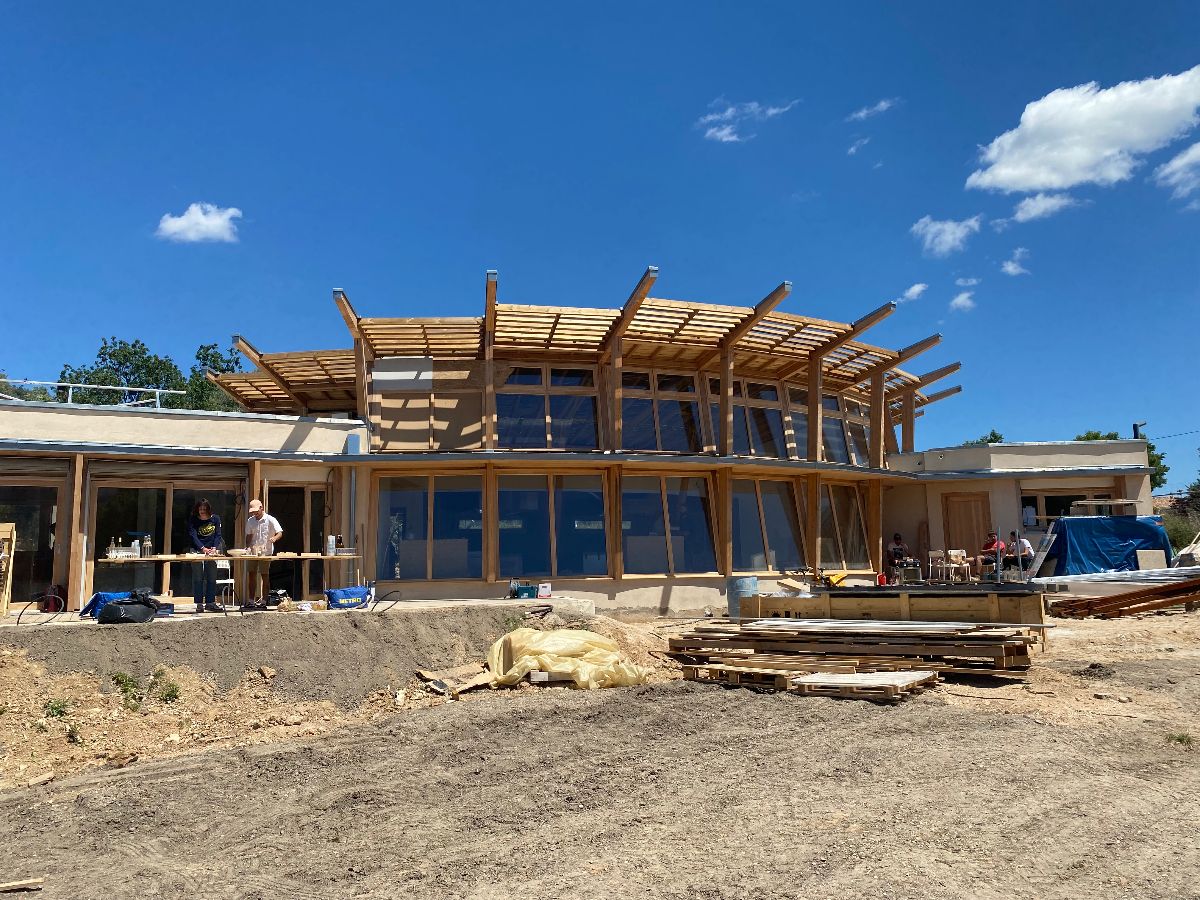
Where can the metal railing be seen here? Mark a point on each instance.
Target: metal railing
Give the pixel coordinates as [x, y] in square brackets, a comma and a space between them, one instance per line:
[156, 400]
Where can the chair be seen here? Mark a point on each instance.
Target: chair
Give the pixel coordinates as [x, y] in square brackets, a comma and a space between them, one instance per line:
[225, 585]
[937, 565]
[956, 563]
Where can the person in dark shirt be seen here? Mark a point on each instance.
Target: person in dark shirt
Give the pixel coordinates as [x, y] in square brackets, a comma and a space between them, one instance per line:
[204, 529]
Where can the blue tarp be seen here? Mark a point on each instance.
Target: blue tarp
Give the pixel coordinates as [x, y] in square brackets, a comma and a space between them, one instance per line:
[1087, 544]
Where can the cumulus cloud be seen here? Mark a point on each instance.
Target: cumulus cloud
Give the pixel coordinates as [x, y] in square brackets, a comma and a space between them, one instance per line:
[967, 282]
[1089, 135]
[200, 222]
[963, 302]
[725, 123]
[1013, 266]
[866, 112]
[1181, 175]
[858, 145]
[913, 293]
[1041, 206]
[943, 237]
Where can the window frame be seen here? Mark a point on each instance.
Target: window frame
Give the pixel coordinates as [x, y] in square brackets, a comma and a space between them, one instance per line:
[545, 390]
[798, 502]
[713, 517]
[552, 507]
[654, 395]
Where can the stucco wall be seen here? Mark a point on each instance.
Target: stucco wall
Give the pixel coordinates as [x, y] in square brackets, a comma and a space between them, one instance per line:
[1005, 457]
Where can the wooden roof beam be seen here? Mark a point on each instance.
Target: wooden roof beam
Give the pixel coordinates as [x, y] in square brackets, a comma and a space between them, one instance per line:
[940, 395]
[762, 309]
[858, 327]
[251, 353]
[348, 314]
[927, 379]
[902, 357]
[491, 283]
[640, 292]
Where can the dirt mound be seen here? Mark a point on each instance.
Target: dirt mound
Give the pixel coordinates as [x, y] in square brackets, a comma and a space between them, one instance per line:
[636, 643]
[1095, 670]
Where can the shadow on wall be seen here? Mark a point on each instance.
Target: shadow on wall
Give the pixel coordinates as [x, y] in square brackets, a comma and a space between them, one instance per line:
[299, 434]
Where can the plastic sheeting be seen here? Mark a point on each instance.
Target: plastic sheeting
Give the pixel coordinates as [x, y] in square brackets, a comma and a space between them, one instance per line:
[591, 660]
[1086, 544]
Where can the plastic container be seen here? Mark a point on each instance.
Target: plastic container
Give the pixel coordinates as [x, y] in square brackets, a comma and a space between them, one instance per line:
[736, 589]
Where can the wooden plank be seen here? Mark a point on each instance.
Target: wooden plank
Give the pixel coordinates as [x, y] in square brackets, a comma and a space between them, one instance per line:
[738, 331]
[839, 339]
[907, 423]
[252, 354]
[76, 550]
[629, 311]
[491, 285]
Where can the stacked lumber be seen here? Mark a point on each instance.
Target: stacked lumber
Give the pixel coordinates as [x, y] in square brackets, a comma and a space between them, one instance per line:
[1129, 603]
[818, 655]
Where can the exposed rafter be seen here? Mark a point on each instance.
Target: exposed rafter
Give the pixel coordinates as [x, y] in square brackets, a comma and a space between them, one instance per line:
[940, 395]
[348, 313]
[902, 357]
[251, 353]
[489, 301]
[858, 327]
[640, 292]
[925, 380]
[764, 307]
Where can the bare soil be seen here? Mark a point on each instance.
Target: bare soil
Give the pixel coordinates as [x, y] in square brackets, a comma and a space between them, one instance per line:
[974, 789]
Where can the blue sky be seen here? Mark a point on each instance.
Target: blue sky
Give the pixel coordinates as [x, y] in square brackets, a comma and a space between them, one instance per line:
[400, 151]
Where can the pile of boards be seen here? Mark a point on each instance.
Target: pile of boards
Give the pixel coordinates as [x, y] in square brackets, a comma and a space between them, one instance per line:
[1129, 603]
[872, 660]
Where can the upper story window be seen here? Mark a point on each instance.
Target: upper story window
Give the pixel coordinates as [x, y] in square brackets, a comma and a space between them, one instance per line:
[540, 407]
[660, 411]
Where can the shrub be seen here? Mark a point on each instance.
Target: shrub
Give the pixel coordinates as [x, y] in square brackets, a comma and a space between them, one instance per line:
[56, 708]
[1182, 739]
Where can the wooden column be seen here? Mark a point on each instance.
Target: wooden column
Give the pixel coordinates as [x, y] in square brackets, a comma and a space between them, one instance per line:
[254, 486]
[816, 385]
[812, 527]
[725, 520]
[618, 394]
[878, 420]
[77, 546]
[489, 355]
[725, 437]
[491, 526]
[908, 411]
[616, 543]
[875, 523]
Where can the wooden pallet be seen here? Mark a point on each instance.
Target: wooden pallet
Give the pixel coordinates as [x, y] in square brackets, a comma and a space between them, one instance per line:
[876, 686]
[1150, 599]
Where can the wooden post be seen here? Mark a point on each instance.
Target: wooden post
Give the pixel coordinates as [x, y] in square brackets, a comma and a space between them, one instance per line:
[812, 527]
[907, 419]
[253, 487]
[77, 545]
[875, 523]
[878, 421]
[725, 520]
[618, 394]
[816, 384]
[489, 357]
[725, 437]
[491, 526]
[617, 533]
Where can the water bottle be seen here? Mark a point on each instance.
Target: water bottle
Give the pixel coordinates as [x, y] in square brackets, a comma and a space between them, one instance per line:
[137, 548]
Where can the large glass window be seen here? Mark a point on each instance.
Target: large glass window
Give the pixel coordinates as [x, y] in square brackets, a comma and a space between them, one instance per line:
[34, 512]
[573, 422]
[741, 440]
[834, 434]
[758, 428]
[850, 524]
[643, 526]
[637, 424]
[523, 513]
[404, 548]
[749, 551]
[659, 411]
[521, 421]
[679, 425]
[766, 432]
[403, 544]
[690, 521]
[781, 522]
[458, 526]
[126, 514]
[580, 538]
[531, 394]
[830, 548]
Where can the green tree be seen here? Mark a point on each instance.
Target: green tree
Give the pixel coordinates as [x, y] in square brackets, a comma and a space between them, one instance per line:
[1159, 469]
[1188, 502]
[202, 393]
[992, 437]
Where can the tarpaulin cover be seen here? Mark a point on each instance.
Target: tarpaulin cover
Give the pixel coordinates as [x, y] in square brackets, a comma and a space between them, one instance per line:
[592, 660]
[1087, 544]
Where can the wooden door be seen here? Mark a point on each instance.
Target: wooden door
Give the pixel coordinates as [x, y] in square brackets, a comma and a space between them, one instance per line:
[967, 520]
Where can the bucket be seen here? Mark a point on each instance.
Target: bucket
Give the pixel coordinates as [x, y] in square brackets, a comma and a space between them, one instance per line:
[736, 589]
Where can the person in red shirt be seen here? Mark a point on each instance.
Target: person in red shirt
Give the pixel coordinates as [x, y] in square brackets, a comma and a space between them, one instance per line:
[988, 552]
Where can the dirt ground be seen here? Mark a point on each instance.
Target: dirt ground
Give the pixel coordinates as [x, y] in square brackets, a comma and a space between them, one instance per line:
[1079, 783]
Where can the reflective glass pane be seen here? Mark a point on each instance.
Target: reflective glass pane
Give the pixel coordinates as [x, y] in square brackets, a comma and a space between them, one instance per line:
[571, 378]
[831, 554]
[685, 384]
[573, 422]
[34, 512]
[523, 511]
[679, 426]
[761, 391]
[741, 442]
[782, 525]
[520, 420]
[714, 387]
[855, 408]
[798, 396]
[831, 402]
[849, 516]
[637, 424]
[183, 505]
[800, 434]
[635, 381]
[835, 440]
[691, 525]
[766, 432]
[579, 525]
[458, 526]
[643, 529]
[858, 440]
[403, 529]
[749, 555]
[126, 514]
[524, 376]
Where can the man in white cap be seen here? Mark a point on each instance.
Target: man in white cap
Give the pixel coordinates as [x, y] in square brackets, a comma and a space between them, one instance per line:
[262, 531]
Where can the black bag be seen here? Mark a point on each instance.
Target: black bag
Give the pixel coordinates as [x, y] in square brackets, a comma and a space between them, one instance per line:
[139, 607]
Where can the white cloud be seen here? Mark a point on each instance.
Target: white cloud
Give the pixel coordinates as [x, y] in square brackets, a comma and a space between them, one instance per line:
[1089, 135]
[967, 282]
[866, 112]
[941, 238]
[858, 145]
[723, 123]
[1041, 206]
[1013, 266]
[1181, 174]
[200, 222]
[963, 302]
[912, 293]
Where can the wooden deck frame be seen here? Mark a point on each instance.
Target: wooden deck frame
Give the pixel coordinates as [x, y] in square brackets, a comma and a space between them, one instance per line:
[252, 353]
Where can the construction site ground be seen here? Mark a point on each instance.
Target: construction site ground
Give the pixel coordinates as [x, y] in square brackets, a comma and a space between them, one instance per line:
[297, 756]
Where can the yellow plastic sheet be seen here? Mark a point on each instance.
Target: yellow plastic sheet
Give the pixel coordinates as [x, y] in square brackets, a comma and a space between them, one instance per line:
[591, 660]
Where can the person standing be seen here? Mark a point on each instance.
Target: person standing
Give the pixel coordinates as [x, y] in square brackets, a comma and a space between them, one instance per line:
[204, 530]
[262, 531]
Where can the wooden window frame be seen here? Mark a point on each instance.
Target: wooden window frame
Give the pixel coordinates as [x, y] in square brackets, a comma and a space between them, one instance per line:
[546, 390]
[654, 395]
[552, 505]
[713, 517]
[798, 486]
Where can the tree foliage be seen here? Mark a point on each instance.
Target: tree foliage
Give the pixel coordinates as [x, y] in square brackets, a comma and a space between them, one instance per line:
[131, 364]
[1159, 469]
[992, 437]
